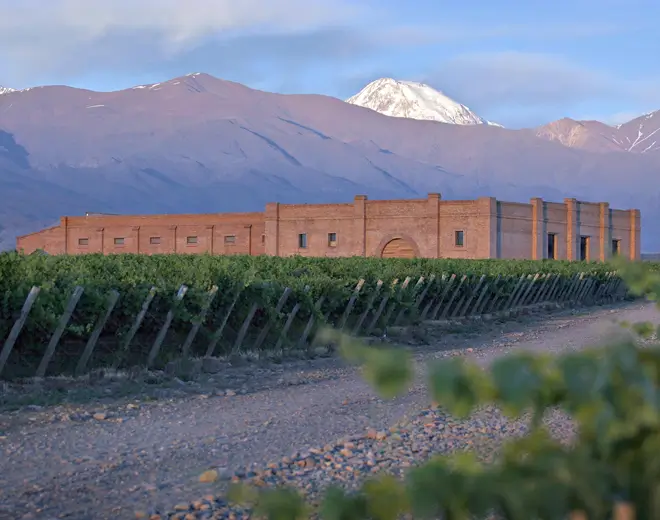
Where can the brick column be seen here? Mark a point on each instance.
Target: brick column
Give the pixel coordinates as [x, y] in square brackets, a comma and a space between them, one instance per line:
[64, 224]
[272, 229]
[635, 234]
[173, 237]
[605, 232]
[487, 208]
[360, 225]
[572, 231]
[249, 232]
[210, 236]
[538, 228]
[434, 229]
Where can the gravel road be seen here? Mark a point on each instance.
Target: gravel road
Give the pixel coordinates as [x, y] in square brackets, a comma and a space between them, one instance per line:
[88, 463]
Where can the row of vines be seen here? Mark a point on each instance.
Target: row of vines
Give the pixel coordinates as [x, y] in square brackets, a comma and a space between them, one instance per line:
[244, 286]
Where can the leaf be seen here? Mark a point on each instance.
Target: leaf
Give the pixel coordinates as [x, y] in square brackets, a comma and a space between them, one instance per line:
[519, 382]
[386, 498]
[389, 371]
[458, 386]
[281, 504]
[338, 505]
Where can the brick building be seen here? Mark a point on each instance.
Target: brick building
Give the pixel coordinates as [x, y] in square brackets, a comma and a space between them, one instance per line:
[430, 227]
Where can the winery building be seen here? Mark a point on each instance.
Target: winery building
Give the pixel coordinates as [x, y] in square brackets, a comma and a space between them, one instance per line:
[429, 228]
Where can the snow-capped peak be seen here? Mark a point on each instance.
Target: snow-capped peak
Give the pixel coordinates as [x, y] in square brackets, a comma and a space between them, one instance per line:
[6, 90]
[414, 101]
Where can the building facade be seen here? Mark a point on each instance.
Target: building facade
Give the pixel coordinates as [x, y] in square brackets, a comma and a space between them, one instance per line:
[430, 228]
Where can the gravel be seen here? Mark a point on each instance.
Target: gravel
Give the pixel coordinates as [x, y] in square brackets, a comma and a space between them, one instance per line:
[130, 457]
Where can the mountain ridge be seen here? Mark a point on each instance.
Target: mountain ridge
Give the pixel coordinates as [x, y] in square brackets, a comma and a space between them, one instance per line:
[197, 144]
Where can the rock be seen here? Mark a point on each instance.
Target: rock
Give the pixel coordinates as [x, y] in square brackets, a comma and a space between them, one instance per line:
[230, 393]
[100, 416]
[209, 476]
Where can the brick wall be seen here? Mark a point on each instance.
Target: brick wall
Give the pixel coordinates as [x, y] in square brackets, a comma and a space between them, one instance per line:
[430, 227]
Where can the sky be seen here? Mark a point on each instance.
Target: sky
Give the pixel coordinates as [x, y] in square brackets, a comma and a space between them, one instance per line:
[519, 63]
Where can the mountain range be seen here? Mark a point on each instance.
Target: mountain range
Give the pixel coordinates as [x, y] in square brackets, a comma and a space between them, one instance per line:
[201, 144]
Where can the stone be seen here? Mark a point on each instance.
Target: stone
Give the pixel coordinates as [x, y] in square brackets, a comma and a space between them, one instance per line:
[100, 416]
[209, 476]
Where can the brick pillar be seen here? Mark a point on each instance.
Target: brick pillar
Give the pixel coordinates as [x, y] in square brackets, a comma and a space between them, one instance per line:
[572, 231]
[360, 225]
[605, 233]
[272, 229]
[249, 232]
[635, 234]
[487, 209]
[173, 238]
[538, 228]
[136, 239]
[64, 224]
[434, 230]
[210, 236]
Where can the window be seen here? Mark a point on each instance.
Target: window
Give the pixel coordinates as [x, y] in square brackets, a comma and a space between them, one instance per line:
[552, 246]
[332, 239]
[230, 239]
[302, 240]
[154, 241]
[263, 239]
[119, 241]
[584, 248]
[616, 247]
[191, 240]
[83, 241]
[459, 238]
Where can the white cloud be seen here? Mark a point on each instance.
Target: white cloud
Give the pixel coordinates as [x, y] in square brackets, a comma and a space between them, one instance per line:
[36, 35]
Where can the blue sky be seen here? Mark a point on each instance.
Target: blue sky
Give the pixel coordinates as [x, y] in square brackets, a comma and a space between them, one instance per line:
[514, 62]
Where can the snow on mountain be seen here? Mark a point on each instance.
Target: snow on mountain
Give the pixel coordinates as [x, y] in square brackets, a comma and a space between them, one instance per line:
[412, 100]
[6, 90]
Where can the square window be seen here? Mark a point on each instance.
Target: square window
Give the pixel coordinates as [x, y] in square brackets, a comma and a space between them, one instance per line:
[83, 241]
[191, 240]
[154, 241]
[119, 241]
[230, 239]
[332, 239]
[302, 240]
[459, 238]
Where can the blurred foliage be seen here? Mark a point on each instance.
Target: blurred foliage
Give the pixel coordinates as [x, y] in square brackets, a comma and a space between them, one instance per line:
[611, 470]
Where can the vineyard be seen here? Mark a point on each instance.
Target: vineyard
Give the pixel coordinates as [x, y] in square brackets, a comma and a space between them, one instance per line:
[67, 314]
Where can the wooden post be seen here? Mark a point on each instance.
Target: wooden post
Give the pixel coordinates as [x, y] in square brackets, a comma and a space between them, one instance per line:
[134, 328]
[381, 308]
[567, 287]
[551, 289]
[445, 291]
[271, 320]
[421, 297]
[244, 328]
[218, 333]
[61, 327]
[289, 321]
[542, 289]
[575, 288]
[185, 350]
[310, 322]
[351, 302]
[515, 291]
[96, 333]
[466, 308]
[370, 305]
[453, 297]
[390, 309]
[496, 301]
[155, 348]
[524, 289]
[476, 310]
[402, 312]
[18, 326]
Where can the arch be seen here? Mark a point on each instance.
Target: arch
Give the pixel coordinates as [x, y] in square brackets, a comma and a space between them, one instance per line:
[398, 246]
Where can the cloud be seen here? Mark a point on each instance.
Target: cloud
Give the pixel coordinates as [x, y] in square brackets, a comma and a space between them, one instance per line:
[501, 82]
[67, 37]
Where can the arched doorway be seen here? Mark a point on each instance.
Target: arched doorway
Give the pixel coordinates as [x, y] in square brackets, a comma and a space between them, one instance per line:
[398, 248]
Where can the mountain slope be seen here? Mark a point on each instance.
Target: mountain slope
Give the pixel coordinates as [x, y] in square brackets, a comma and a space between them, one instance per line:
[641, 135]
[6, 90]
[412, 100]
[200, 144]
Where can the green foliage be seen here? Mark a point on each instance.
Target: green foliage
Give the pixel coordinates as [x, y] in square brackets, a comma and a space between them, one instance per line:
[612, 467]
[242, 281]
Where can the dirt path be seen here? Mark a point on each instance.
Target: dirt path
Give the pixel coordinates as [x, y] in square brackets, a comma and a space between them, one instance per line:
[149, 455]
